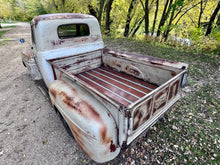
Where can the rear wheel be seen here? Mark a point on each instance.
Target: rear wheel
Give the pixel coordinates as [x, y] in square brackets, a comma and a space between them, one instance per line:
[65, 124]
[24, 64]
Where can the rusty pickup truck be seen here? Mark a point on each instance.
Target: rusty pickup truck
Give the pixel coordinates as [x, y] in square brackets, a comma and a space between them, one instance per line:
[105, 98]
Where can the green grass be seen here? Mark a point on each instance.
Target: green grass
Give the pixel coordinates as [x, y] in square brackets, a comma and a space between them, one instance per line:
[196, 132]
[8, 22]
[4, 41]
[3, 32]
[11, 26]
[197, 59]
[189, 133]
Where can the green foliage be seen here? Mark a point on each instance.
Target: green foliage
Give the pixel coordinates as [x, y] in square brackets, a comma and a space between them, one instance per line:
[196, 34]
[216, 33]
[10, 26]
[3, 32]
[181, 18]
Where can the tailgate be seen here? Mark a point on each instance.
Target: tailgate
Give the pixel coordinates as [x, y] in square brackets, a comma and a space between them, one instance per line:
[150, 108]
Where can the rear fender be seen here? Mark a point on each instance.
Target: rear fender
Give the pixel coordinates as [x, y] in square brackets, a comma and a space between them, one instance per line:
[92, 125]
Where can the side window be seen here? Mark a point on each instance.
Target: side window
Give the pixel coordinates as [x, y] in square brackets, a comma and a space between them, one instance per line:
[73, 30]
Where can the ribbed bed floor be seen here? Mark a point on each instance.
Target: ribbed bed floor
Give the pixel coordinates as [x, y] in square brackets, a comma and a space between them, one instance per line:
[120, 87]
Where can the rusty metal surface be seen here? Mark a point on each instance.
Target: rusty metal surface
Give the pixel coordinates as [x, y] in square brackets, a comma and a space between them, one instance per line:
[142, 67]
[155, 104]
[125, 86]
[60, 16]
[133, 134]
[92, 125]
[120, 87]
[147, 59]
[78, 63]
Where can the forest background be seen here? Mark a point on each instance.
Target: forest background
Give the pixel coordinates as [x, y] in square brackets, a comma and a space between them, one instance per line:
[191, 23]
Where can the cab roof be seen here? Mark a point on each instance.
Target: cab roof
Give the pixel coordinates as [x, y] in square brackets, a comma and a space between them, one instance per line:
[44, 17]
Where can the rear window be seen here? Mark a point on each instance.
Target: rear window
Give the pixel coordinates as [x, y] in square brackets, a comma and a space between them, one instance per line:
[73, 30]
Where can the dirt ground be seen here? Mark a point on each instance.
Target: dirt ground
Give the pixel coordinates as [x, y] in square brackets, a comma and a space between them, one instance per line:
[30, 130]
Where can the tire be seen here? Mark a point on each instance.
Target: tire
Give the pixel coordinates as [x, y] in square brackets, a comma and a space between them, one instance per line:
[24, 64]
[65, 124]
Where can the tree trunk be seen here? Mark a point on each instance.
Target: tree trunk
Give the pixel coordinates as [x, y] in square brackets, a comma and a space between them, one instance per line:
[107, 19]
[155, 17]
[164, 16]
[92, 10]
[218, 21]
[212, 18]
[101, 6]
[54, 4]
[128, 20]
[201, 11]
[166, 33]
[146, 18]
[138, 26]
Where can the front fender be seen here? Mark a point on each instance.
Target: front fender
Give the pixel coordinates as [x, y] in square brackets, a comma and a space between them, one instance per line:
[92, 125]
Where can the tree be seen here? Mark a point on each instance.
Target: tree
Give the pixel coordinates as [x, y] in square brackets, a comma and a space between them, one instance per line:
[146, 15]
[107, 19]
[218, 21]
[179, 6]
[164, 16]
[92, 10]
[101, 6]
[202, 8]
[129, 17]
[212, 18]
[155, 17]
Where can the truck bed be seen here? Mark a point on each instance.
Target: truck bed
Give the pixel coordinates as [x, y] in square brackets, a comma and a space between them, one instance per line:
[120, 87]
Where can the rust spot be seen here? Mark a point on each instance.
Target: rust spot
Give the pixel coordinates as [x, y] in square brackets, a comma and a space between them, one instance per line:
[155, 63]
[142, 114]
[160, 99]
[59, 42]
[118, 65]
[95, 38]
[174, 90]
[136, 126]
[39, 18]
[66, 67]
[78, 135]
[87, 111]
[177, 86]
[152, 60]
[173, 73]
[53, 92]
[146, 117]
[81, 39]
[112, 147]
[135, 72]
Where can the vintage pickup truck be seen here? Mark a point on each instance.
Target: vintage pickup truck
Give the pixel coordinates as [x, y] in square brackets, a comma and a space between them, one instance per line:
[105, 98]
